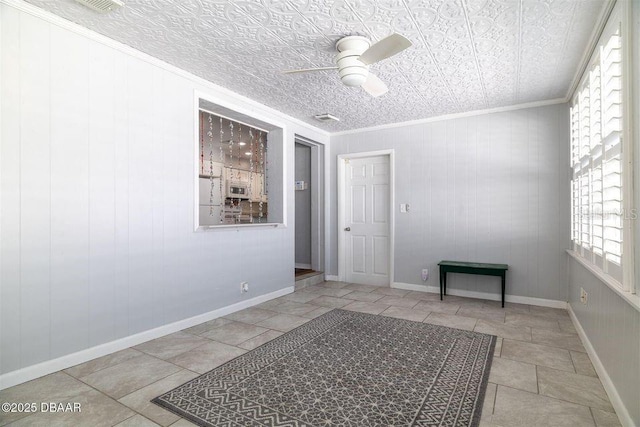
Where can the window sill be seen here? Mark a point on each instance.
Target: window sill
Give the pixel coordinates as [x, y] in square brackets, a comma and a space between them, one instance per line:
[238, 227]
[632, 299]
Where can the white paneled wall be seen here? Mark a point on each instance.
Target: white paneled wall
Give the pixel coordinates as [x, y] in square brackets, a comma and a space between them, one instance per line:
[96, 203]
[488, 188]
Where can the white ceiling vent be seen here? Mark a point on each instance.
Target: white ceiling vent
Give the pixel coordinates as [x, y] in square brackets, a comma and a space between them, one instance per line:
[102, 6]
[326, 117]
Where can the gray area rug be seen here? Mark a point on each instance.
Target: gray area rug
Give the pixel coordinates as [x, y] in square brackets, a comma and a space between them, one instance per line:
[346, 369]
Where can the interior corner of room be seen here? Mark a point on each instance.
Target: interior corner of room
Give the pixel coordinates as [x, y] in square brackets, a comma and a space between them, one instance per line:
[147, 189]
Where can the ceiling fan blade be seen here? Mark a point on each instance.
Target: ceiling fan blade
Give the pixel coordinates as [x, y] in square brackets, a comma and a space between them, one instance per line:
[304, 70]
[374, 86]
[388, 46]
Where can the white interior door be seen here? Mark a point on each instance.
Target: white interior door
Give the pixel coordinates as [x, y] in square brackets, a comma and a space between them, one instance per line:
[366, 223]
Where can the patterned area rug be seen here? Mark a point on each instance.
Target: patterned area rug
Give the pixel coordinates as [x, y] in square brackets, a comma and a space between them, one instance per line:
[346, 369]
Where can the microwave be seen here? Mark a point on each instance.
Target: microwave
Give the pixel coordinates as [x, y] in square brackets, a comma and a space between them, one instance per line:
[237, 190]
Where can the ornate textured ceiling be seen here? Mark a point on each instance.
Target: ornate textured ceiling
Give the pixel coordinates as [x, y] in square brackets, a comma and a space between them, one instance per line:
[466, 54]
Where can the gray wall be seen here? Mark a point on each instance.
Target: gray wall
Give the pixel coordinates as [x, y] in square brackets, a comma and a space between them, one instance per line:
[97, 164]
[490, 188]
[303, 204]
[613, 328]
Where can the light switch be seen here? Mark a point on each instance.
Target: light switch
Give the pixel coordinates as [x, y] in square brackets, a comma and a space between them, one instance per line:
[404, 207]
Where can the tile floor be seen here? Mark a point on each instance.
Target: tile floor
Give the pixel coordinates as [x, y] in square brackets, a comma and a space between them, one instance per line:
[541, 375]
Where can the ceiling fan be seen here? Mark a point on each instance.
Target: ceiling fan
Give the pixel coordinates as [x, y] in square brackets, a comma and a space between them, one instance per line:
[355, 54]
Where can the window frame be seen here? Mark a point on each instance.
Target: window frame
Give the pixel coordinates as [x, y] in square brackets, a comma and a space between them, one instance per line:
[625, 280]
[203, 101]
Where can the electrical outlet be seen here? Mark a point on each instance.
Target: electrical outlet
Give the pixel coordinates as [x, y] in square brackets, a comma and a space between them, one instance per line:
[244, 287]
[425, 275]
[584, 296]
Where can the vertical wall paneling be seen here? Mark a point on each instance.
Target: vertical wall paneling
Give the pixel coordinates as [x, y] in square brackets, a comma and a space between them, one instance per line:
[101, 163]
[160, 120]
[10, 226]
[472, 190]
[482, 197]
[69, 192]
[417, 167]
[34, 190]
[519, 178]
[533, 199]
[450, 193]
[171, 202]
[547, 210]
[490, 184]
[121, 194]
[425, 167]
[438, 212]
[140, 194]
[499, 187]
[462, 189]
[612, 326]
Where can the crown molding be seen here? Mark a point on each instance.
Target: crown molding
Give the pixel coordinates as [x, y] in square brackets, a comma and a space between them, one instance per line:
[591, 46]
[54, 19]
[454, 116]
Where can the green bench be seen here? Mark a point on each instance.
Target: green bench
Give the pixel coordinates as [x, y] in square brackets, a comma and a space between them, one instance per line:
[484, 269]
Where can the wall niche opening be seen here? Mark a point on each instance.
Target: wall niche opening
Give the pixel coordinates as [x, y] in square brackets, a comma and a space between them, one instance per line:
[239, 169]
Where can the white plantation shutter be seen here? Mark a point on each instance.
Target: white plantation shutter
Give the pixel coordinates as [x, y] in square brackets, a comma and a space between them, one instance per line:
[612, 146]
[595, 153]
[575, 182]
[597, 157]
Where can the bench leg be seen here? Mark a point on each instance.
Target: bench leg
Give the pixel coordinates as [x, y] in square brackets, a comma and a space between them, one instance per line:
[445, 283]
[441, 284]
[503, 286]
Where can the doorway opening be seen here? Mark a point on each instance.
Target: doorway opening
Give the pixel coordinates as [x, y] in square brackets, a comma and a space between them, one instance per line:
[309, 209]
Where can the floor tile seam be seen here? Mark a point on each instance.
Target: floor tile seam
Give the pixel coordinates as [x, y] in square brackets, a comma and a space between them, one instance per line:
[551, 346]
[111, 397]
[554, 398]
[587, 406]
[142, 415]
[106, 367]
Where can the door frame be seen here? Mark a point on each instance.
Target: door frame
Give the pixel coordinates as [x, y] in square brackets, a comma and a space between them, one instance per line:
[317, 189]
[342, 158]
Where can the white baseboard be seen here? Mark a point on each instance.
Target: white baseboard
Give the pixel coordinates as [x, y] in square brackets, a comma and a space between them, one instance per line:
[50, 366]
[482, 295]
[298, 265]
[330, 278]
[609, 387]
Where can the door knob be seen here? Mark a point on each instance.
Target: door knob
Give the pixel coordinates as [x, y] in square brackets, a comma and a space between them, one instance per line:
[347, 229]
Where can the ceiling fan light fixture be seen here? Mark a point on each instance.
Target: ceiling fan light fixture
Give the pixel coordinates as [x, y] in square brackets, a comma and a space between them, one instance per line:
[354, 79]
[351, 71]
[355, 43]
[355, 54]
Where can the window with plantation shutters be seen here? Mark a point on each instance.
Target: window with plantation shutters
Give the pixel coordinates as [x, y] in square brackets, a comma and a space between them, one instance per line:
[598, 158]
